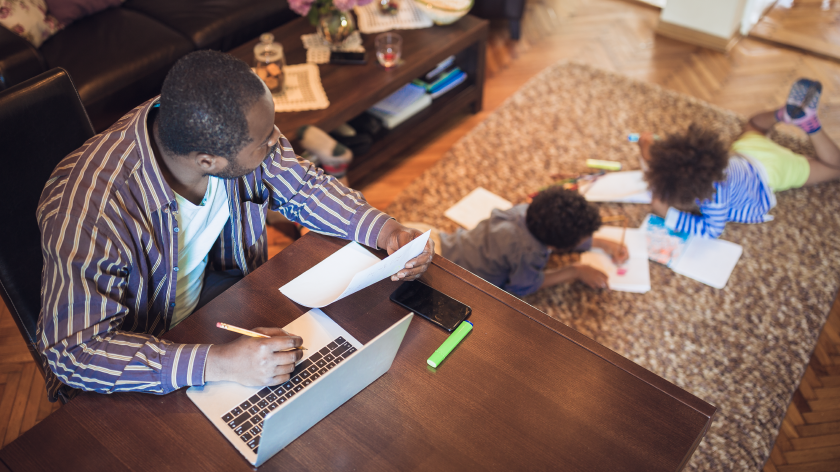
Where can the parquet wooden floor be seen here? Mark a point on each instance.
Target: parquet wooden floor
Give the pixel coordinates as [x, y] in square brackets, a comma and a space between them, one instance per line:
[812, 25]
[616, 35]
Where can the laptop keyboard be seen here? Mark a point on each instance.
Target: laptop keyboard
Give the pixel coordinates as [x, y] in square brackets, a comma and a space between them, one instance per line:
[246, 420]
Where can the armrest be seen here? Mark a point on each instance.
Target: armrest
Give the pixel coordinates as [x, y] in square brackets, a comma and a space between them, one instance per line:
[19, 60]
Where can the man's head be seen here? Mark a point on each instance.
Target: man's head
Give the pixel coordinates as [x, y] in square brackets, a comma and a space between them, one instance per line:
[562, 219]
[683, 167]
[213, 106]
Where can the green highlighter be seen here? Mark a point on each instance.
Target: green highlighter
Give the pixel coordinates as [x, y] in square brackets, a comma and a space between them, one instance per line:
[450, 343]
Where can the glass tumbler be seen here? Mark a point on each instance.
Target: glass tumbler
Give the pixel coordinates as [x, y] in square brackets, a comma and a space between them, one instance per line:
[388, 49]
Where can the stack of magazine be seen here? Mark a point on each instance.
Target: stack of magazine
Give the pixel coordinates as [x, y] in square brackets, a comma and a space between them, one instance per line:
[442, 78]
[417, 95]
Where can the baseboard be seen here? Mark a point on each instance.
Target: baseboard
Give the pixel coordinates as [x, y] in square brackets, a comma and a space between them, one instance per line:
[691, 36]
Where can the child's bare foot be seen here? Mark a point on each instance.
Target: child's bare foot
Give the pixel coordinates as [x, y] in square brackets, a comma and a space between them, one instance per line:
[801, 107]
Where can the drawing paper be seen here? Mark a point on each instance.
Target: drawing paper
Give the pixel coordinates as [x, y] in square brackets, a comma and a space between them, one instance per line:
[475, 207]
[710, 261]
[636, 274]
[347, 271]
[624, 187]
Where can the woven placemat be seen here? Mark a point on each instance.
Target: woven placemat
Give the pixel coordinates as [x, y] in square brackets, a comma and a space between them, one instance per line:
[302, 91]
[370, 20]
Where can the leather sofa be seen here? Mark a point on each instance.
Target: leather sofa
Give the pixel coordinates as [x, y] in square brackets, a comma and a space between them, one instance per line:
[511, 10]
[119, 57]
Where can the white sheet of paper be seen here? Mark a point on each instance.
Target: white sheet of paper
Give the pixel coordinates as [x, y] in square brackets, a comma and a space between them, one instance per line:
[709, 261]
[475, 207]
[625, 187]
[347, 271]
[636, 277]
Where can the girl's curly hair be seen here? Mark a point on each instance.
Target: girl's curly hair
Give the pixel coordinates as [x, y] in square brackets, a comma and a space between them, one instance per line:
[683, 167]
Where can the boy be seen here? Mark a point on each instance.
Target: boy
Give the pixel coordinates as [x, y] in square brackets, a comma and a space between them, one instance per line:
[698, 185]
[511, 248]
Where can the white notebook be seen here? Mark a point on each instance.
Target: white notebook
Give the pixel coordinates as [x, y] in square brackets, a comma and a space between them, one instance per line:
[476, 207]
[709, 261]
[624, 187]
[633, 275]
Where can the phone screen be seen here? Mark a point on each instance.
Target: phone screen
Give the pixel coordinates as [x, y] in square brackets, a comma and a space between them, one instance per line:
[427, 302]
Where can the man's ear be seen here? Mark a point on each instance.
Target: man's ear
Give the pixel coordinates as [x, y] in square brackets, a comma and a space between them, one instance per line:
[209, 163]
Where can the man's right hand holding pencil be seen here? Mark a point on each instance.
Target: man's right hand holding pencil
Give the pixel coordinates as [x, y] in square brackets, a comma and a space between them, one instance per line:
[255, 361]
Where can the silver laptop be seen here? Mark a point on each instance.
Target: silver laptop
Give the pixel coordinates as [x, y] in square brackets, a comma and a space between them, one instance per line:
[260, 421]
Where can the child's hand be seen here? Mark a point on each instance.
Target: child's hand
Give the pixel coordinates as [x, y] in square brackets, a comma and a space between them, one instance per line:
[590, 276]
[618, 252]
[645, 141]
[659, 207]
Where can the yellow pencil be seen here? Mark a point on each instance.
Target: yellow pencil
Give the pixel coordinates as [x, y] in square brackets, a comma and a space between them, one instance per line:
[613, 219]
[248, 332]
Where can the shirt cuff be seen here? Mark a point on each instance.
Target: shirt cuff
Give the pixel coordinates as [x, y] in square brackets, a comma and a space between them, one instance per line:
[183, 366]
[369, 226]
[672, 218]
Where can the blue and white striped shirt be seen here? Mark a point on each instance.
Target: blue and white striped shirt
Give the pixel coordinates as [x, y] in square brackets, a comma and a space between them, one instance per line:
[743, 197]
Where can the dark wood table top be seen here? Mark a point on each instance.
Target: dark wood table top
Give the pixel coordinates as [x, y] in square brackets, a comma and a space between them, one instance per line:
[521, 392]
[351, 89]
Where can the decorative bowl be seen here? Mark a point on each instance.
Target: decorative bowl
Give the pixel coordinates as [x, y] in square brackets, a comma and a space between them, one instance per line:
[444, 12]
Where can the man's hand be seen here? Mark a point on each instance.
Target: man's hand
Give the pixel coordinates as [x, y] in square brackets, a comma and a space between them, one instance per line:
[394, 236]
[254, 361]
[590, 276]
[659, 207]
[618, 252]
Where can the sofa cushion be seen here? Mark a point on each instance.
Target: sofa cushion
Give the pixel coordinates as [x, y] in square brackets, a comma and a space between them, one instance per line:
[68, 11]
[216, 24]
[117, 58]
[29, 20]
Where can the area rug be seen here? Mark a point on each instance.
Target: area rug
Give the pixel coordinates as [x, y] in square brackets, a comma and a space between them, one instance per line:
[743, 348]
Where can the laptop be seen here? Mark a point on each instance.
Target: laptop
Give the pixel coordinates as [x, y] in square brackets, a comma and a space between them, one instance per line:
[260, 421]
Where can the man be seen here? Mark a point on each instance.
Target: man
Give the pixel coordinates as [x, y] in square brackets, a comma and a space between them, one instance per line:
[150, 220]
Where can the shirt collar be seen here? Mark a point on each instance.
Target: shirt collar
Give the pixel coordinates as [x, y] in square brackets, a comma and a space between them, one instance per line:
[160, 193]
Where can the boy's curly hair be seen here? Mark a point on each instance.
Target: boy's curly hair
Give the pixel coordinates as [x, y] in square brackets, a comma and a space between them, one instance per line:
[683, 167]
[561, 218]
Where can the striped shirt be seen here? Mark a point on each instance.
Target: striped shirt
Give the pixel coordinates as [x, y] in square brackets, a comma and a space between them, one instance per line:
[743, 197]
[110, 247]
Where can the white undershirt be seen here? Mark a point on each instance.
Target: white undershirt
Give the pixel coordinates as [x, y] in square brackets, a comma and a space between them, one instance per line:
[199, 226]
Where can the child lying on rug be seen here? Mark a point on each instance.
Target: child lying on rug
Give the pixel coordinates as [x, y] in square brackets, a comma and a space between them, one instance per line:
[511, 248]
[698, 185]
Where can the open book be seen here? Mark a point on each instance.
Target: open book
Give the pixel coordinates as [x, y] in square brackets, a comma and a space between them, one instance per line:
[633, 275]
[705, 260]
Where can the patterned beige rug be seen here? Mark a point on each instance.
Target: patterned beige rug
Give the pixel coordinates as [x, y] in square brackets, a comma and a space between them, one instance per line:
[743, 348]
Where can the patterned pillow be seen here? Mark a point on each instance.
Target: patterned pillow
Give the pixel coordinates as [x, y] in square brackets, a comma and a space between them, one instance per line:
[29, 19]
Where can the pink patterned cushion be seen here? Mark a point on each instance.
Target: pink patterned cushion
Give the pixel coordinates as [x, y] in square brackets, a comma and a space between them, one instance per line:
[29, 19]
[68, 11]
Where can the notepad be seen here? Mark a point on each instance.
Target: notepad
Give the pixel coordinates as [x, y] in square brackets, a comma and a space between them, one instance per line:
[706, 260]
[476, 207]
[347, 271]
[634, 275]
[623, 187]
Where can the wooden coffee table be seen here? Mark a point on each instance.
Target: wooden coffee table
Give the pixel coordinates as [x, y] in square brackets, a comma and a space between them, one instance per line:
[352, 89]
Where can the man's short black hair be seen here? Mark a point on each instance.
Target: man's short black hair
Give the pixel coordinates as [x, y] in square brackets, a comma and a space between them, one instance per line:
[561, 218]
[203, 104]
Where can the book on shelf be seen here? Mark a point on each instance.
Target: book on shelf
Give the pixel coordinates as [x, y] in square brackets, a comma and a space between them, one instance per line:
[442, 66]
[449, 85]
[396, 102]
[392, 120]
[437, 81]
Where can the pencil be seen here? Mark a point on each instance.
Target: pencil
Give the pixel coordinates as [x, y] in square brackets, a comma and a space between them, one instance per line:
[248, 332]
[613, 219]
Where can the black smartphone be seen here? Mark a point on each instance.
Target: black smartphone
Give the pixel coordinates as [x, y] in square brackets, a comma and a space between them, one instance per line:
[341, 57]
[427, 302]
